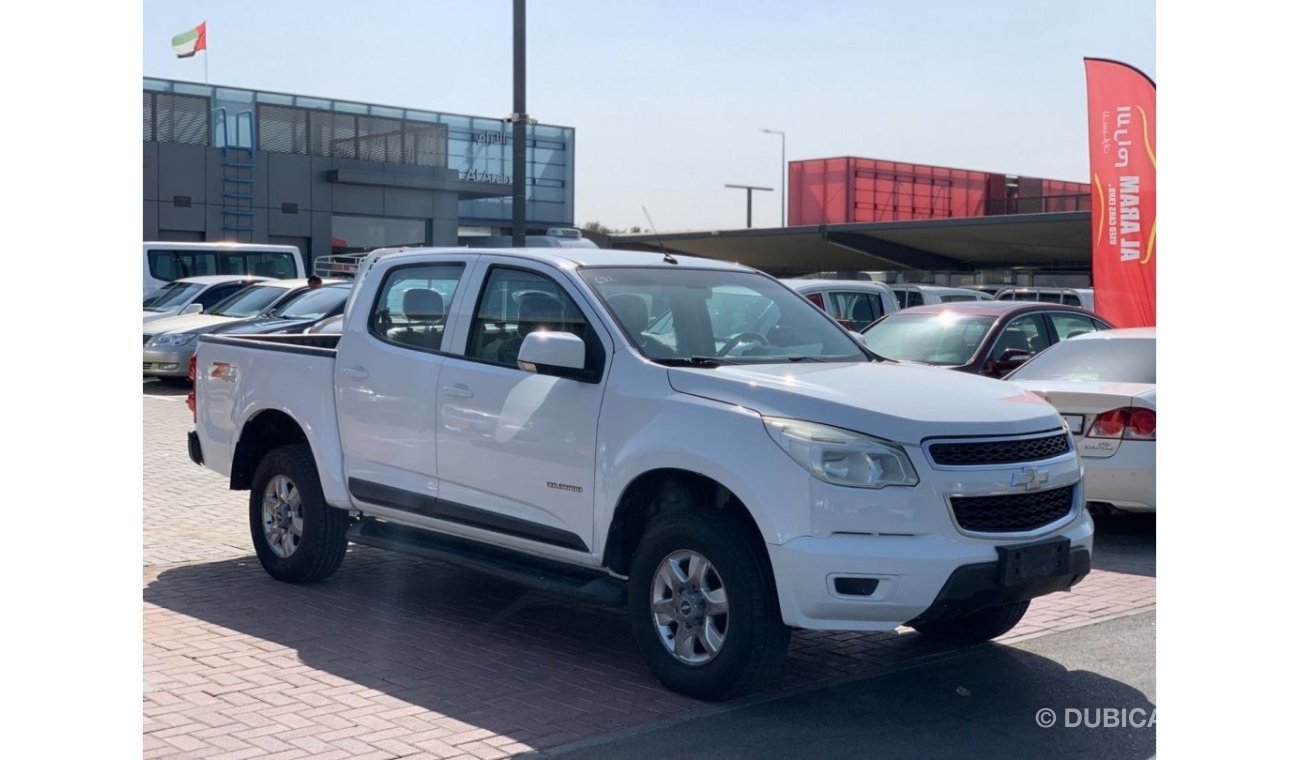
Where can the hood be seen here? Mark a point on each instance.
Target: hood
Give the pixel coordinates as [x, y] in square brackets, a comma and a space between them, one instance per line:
[263, 325]
[186, 323]
[154, 316]
[898, 402]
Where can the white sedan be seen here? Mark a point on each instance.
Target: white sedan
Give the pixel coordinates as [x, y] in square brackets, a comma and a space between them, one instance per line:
[1104, 385]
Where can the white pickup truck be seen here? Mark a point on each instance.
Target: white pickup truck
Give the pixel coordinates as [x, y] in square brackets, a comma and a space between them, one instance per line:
[686, 437]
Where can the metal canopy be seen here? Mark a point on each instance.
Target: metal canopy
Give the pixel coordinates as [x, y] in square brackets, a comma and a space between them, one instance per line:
[1018, 240]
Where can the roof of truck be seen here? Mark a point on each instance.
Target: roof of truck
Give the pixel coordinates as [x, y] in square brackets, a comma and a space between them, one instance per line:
[576, 256]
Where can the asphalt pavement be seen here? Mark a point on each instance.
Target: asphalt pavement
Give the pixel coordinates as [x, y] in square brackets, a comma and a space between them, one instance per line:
[1095, 684]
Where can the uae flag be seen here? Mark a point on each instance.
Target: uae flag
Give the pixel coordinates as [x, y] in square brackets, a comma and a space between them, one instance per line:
[186, 44]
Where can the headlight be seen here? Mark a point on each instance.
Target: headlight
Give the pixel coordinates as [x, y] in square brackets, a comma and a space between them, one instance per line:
[173, 339]
[842, 457]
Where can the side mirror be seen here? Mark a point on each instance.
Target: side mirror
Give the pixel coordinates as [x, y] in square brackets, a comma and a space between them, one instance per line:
[194, 308]
[553, 353]
[1009, 360]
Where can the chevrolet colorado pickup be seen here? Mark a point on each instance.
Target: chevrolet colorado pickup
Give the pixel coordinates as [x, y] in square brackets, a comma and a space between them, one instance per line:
[688, 438]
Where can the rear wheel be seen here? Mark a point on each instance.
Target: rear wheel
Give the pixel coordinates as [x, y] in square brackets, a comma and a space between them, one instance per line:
[297, 536]
[705, 617]
[988, 623]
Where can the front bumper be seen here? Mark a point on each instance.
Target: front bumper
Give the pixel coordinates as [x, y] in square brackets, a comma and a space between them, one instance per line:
[971, 588]
[911, 574]
[167, 362]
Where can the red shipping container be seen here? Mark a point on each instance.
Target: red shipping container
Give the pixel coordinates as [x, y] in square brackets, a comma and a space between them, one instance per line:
[848, 189]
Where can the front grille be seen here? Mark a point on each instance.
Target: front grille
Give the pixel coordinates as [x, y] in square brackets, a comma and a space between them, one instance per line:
[148, 365]
[1012, 514]
[1000, 452]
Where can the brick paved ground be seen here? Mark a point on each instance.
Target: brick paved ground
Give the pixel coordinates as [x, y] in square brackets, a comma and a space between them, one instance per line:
[401, 657]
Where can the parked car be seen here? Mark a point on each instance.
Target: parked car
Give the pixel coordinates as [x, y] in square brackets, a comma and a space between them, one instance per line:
[331, 326]
[1104, 386]
[168, 261]
[294, 315]
[169, 343]
[193, 295]
[910, 295]
[1081, 297]
[725, 477]
[985, 337]
[853, 303]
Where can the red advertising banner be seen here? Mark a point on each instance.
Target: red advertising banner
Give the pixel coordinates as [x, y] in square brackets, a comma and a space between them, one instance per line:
[1122, 152]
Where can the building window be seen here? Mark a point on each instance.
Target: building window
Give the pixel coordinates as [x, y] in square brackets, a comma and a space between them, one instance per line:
[363, 233]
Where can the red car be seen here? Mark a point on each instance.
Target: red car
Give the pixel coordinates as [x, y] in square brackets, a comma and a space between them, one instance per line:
[983, 337]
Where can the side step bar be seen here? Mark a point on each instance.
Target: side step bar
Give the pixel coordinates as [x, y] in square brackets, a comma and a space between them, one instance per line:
[593, 586]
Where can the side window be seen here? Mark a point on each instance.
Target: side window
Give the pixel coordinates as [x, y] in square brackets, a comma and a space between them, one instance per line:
[514, 303]
[411, 308]
[1025, 333]
[1071, 299]
[1099, 325]
[211, 296]
[914, 298]
[856, 309]
[1069, 325]
[817, 299]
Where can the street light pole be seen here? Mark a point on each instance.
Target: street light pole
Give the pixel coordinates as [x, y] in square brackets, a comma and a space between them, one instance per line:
[519, 138]
[783, 169]
[749, 200]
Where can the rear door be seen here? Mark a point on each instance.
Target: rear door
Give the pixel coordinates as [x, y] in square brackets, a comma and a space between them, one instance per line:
[855, 309]
[386, 379]
[516, 450]
[1066, 325]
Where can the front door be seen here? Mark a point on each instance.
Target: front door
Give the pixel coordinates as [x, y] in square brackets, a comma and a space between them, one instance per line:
[516, 450]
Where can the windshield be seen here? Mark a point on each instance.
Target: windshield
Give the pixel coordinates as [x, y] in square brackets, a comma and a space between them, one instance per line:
[1128, 360]
[248, 302]
[718, 316]
[171, 296]
[943, 338]
[312, 304]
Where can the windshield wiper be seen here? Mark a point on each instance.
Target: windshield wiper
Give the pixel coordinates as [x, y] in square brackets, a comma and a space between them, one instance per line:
[694, 361]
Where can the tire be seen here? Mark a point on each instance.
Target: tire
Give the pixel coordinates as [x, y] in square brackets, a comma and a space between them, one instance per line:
[754, 639]
[988, 623]
[298, 537]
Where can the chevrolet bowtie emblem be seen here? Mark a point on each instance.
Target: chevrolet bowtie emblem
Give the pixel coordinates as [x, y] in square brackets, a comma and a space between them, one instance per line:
[1030, 478]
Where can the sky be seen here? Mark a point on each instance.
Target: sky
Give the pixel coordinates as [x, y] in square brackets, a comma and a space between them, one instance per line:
[668, 98]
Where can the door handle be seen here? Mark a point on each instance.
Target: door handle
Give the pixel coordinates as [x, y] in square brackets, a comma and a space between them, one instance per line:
[459, 390]
[355, 373]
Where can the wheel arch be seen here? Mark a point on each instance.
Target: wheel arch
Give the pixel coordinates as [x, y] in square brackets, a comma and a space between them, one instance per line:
[664, 491]
[265, 431]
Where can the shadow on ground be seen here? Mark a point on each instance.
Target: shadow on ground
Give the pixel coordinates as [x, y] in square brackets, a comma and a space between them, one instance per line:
[1125, 544]
[545, 671]
[166, 386]
[992, 701]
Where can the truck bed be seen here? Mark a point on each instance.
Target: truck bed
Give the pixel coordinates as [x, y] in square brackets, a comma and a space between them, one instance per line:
[239, 377]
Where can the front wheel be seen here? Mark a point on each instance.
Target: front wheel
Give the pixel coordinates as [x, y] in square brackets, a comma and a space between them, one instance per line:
[705, 617]
[298, 537]
[988, 623]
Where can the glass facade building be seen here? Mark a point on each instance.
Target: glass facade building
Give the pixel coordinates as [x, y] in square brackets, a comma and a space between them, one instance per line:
[472, 153]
